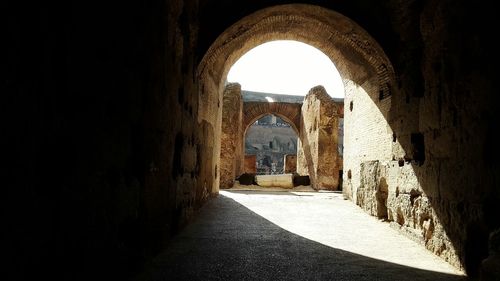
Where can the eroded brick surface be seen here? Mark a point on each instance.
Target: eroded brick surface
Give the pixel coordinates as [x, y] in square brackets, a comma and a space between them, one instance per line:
[231, 157]
[318, 149]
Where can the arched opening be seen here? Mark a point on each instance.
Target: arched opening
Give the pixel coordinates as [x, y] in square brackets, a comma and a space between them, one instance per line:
[277, 74]
[287, 68]
[364, 68]
[272, 139]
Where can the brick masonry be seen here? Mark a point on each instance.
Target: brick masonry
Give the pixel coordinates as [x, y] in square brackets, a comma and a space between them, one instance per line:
[318, 149]
[231, 157]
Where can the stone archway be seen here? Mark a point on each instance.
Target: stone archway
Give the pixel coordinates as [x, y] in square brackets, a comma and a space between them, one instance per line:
[290, 112]
[354, 52]
[267, 142]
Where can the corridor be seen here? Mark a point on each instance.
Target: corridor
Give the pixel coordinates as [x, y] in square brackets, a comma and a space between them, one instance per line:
[257, 235]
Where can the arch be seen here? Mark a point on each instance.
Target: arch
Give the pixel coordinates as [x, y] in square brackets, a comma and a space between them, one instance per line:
[290, 112]
[286, 140]
[353, 51]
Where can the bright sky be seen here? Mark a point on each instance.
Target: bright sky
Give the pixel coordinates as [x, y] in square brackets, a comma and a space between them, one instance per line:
[286, 67]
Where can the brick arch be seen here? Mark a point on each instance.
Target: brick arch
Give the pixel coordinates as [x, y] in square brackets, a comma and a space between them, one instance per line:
[353, 51]
[366, 72]
[290, 112]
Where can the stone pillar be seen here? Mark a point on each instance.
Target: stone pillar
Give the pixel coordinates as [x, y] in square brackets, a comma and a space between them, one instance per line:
[250, 166]
[301, 159]
[231, 137]
[318, 154]
[290, 162]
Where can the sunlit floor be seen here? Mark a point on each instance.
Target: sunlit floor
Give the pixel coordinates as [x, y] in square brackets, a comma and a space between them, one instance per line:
[254, 235]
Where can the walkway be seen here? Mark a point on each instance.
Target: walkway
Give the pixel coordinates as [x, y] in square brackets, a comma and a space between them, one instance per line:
[253, 235]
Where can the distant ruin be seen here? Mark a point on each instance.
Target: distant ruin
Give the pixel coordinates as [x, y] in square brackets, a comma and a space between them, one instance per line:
[270, 139]
[284, 126]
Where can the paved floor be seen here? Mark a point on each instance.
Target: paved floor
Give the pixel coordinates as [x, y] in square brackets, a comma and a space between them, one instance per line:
[253, 235]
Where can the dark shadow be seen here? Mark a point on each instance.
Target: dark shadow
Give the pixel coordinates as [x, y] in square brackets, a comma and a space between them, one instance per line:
[227, 241]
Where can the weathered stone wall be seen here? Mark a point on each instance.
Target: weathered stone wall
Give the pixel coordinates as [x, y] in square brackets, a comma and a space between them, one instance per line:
[391, 192]
[367, 135]
[250, 164]
[231, 157]
[319, 144]
[290, 163]
[429, 175]
[109, 153]
[448, 145]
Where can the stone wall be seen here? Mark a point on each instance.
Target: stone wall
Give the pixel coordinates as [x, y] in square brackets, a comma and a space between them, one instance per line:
[450, 149]
[318, 152]
[231, 158]
[290, 163]
[420, 153]
[391, 192]
[367, 135]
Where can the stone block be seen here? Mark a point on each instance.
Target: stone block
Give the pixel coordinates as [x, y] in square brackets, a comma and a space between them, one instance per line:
[283, 180]
[318, 150]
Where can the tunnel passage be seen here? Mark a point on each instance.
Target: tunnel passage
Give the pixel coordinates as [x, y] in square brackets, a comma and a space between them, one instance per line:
[100, 106]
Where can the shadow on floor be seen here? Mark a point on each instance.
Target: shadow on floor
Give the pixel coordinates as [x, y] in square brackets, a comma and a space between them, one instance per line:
[227, 241]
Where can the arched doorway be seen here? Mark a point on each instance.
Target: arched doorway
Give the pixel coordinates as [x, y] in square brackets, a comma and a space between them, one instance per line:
[271, 139]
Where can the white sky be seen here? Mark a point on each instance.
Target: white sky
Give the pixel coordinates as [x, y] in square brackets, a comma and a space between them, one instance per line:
[286, 67]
